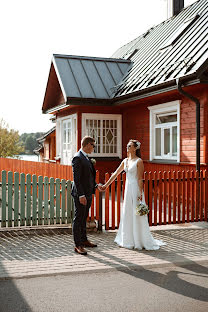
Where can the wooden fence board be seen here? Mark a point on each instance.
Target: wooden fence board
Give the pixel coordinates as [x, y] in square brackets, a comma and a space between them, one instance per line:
[40, 200]
[34, 199]
[28, 199]
[16, 198]
[10, 196]
[57, 201]
[63, 200]
[52, 200]
[46, 190]
[3, 217]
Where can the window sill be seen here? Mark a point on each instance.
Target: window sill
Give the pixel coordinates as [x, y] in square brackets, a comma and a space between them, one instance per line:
[163, 161]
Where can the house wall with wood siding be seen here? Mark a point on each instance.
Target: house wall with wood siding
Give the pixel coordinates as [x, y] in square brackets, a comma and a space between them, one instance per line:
[136, 123]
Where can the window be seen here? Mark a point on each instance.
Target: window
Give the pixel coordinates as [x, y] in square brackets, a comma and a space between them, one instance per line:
[66, 138]
[106, 130]
[164, 131]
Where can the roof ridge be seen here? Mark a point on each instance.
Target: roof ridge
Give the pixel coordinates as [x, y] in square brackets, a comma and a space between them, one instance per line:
[91, 58]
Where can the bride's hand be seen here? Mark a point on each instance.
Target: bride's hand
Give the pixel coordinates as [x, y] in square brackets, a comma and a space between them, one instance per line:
[140, 198]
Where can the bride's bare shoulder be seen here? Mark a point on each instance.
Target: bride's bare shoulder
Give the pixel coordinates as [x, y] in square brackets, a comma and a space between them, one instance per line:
[139, 161]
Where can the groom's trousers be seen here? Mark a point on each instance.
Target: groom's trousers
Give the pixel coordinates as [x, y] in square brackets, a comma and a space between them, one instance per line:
[79, 221]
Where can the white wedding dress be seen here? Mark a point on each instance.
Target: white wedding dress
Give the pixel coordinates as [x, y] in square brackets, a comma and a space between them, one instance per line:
[134, 230]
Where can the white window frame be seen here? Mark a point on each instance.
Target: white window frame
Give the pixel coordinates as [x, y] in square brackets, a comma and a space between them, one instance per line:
[102, 117]
[59, 136]
[164, 109]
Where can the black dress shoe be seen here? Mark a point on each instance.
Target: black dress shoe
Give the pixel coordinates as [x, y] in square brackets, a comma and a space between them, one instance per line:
[80, 250]
[88, 244]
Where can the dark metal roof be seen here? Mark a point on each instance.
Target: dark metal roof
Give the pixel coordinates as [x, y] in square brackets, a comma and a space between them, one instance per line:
[44, 136]
[89, 77]
[178, 47]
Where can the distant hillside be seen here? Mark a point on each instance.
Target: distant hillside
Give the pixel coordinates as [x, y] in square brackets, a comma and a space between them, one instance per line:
[29, 141]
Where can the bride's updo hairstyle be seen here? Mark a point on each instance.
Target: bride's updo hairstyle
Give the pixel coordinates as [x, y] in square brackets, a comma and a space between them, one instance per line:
[137, 145]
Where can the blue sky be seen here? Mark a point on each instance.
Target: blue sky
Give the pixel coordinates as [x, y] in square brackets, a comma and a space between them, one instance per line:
[34, 30]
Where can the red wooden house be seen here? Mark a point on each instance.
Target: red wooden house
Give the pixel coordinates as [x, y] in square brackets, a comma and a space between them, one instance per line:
[47, 146]
[152, 89]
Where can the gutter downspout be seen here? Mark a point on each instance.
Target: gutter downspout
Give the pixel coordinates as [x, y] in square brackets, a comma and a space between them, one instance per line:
[197, 102]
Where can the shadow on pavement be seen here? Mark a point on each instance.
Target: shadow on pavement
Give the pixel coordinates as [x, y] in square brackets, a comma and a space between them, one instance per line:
[172, 280]
[11, 299]
[181, 246]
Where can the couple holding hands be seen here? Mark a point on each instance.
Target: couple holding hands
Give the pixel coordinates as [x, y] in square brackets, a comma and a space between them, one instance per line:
[134, 229]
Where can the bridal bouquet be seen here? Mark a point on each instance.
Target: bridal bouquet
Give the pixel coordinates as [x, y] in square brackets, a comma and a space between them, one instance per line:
[142, 209]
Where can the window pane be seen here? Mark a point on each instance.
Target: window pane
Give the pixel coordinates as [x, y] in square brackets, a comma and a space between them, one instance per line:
[165, 119]
[166, 141]
[158, 141]
[174, 141]
[109, 136]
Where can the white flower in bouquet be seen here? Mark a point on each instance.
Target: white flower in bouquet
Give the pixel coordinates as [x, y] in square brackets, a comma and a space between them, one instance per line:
[142, 209]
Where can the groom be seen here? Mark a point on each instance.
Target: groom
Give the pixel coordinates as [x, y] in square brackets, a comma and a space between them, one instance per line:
[83, 187]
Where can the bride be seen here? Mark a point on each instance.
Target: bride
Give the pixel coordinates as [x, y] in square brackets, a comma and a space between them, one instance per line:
[134, 229]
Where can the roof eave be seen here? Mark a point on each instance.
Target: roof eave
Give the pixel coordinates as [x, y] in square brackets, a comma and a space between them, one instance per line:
[59, 78]
[155, 90]
[79, 101]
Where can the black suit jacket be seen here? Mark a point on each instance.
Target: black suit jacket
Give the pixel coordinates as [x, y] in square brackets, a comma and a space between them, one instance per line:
[84, 176]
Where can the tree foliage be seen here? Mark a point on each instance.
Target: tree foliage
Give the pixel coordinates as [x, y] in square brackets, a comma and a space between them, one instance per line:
[9, 141]
[29, 140]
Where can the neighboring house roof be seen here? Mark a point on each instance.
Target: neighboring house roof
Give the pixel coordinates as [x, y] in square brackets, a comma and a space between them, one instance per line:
[42, 139]
[177, 47]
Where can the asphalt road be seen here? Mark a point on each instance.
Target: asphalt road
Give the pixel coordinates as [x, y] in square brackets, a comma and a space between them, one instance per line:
[167, 289]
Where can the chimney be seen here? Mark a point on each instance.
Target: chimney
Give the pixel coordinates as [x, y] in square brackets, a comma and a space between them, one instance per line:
[174, 7]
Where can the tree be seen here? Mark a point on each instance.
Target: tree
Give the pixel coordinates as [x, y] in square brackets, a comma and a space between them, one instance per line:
[29, 141]
[30, 144]
[9, 141]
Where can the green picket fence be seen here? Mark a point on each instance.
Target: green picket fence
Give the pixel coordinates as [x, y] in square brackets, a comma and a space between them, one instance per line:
[27, 200]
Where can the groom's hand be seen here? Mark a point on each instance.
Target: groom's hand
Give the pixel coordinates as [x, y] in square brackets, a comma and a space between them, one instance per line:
[102, 188]
[83, 200]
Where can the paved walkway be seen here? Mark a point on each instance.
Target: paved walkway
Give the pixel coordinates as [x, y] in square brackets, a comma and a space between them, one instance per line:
[28, 253]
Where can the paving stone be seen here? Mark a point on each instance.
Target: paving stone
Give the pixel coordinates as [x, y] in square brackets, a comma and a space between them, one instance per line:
[30, 253]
